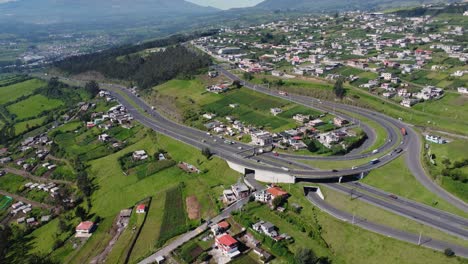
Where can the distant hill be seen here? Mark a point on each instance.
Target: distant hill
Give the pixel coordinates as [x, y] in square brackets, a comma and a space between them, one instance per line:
[59, 11]
[337, 5]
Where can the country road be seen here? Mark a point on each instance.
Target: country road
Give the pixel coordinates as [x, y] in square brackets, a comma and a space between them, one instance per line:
[26, 200]
[28, 175]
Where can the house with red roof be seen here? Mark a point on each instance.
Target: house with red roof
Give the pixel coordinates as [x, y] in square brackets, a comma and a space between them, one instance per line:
[276, 191]
[228, 245]
[220, 228]
[84, 229]
[141, 209]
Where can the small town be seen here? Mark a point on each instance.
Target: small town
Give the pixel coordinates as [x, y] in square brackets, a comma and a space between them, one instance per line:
[240, 132]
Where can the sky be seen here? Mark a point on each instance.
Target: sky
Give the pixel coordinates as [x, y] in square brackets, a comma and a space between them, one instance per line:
[225, 4]
[221, 4]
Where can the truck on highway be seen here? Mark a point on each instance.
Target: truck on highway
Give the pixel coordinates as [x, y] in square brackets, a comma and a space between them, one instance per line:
[374, 161]
[403, 131]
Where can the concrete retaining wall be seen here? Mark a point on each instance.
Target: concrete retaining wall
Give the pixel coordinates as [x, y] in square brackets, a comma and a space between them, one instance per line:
[264, 175]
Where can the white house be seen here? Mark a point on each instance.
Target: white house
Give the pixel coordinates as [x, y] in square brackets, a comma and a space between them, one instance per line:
[462, 90]
[435, 139]
[276, 111]
[84, 229]
[262, 138]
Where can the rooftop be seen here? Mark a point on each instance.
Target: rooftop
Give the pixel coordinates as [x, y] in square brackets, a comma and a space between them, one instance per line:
[226, 240]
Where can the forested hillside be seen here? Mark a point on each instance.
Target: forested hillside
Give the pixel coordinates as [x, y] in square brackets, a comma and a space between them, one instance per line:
[125, 63]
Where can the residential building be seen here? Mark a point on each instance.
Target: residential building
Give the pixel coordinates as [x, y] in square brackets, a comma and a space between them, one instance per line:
[409, 102]
[141, 209]
[435, 139]
[139, 155]
[228, 245]
[276, 191]
[84, 229]
[262, 196]
[262, 138]
[462, 90]
[266, 228]
[220, 228]
[276, 111]
[339, 122]
[240, 190]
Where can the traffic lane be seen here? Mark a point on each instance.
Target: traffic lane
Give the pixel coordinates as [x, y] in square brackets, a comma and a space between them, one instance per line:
[385, 230]
[191, 133]
[324, 106]
[451, 218]
[413, 161]
[403, 211]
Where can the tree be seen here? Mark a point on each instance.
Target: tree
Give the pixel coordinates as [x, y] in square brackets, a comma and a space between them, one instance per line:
[92, 87]
[207, 153]
[5, 235]
[83, 183]
[338, 88]
[449, 252]
[277, 201]
[305, 256]
[280, 82]
[62, 225]
[80, 212]
[311, 146]
[446, 162]
[237, 84]
[248, 76]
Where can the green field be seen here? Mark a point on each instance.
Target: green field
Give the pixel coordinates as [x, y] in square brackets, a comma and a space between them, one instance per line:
[174, 220]
[24, 126]
[33, 106]
[14, 91]
[5, 202]
[11, 182]
[146, 243]
[453, 151]
[345, 240]
[117, 191]
[122, 246]
[396, 178]
[452, 105]
[381, 216]
[254, 108]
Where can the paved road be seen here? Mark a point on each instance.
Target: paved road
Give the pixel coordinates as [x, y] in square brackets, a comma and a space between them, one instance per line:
[412, 142]
[449, 218]
[200, 139]
[427, 217]
[165, 251]
[385, 230]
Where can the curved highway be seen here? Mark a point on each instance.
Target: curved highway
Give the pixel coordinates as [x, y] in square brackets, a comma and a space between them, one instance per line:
[411, 143]
[201, 139]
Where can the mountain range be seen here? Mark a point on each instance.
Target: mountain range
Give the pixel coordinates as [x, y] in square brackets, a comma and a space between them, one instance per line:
[59, 11]
[337, 5]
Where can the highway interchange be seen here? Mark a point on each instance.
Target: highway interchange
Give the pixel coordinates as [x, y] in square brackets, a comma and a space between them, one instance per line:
[410, 145]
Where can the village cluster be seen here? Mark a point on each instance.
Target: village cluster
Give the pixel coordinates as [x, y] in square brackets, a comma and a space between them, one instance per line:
[307, 126]
[383, 51]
